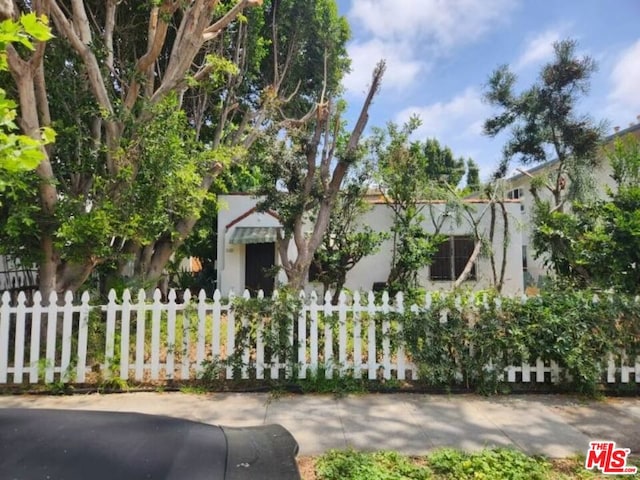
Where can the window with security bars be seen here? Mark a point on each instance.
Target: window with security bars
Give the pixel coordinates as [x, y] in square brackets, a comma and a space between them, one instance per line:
[451, 258]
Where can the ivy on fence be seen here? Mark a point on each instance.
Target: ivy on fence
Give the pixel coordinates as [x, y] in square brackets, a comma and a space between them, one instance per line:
[477, 341]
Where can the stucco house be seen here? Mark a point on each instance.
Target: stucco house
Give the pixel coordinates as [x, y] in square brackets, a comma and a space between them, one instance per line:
[518, 188]
[247, 251]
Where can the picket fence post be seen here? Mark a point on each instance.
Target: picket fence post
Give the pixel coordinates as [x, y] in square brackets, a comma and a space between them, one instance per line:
[231, 329]
[357, 336]
[185, 367]
[202, 329]
[4, 336]
[260, 342]
[52, 323]
[401, 364]
[83, 337]
[217, 318]
[313, 347]
[302, 337]
[110, 334]
[18, 357]
[328, 336]
[342, 332]
[125, 329]
[244, 321]
[141, 315]
[36, 323]
[371, 337]
[170, 368]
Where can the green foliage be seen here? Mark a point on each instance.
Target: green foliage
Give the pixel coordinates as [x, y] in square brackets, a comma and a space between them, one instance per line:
[211, 375]
[353, 465]
[346, 240]
[473, 177]
[135, 162]
[498, 464]
[494, 464]
[468, 340]
[410, 175]
[159, 183]
[598, 243]
[278, 314]
[19, 153]
[339, 385]
[543, 119]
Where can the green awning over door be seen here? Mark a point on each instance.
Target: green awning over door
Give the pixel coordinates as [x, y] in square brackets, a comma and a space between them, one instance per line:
[244, 235]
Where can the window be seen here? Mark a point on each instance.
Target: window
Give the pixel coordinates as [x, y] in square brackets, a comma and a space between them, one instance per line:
[515, 194]
[451, 258]
[524, 258]
[315, 270]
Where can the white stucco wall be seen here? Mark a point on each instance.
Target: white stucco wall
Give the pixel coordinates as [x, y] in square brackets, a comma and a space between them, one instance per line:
[375, 268]
[602, 179]
[231, 257]
[535, 267]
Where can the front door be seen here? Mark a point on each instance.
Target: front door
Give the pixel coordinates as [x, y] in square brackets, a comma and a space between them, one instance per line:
[258, 270]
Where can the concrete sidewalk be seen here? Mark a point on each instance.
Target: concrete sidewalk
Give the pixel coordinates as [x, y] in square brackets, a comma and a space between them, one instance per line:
[555, 426]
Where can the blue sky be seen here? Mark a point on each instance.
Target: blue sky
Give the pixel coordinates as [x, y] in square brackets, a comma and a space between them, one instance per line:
[440, 53]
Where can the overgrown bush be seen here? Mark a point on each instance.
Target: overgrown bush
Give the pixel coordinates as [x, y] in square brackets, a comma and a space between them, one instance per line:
[468, 339]
[278, 314]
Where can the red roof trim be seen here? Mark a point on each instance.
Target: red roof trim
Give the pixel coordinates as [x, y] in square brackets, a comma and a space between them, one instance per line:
[250, 212]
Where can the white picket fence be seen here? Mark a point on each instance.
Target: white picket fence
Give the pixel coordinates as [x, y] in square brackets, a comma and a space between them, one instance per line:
[148, 340]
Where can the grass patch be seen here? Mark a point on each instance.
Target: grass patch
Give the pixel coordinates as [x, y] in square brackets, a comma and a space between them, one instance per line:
[491, 464]
[352, 465]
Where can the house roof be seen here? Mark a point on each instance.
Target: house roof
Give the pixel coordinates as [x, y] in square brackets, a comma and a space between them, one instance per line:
[635, 128]
[249, 212]
[379, 200]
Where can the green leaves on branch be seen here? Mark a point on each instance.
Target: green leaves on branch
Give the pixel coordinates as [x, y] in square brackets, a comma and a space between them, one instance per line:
[19, 153]
[543, 118]
[598, 243]
[28, 28]
[410, 175]
[483, 334]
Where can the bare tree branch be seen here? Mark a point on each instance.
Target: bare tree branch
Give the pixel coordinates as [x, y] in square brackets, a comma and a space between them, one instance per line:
[214, 30]
[81, 21]
[109, 25]
[469, 266]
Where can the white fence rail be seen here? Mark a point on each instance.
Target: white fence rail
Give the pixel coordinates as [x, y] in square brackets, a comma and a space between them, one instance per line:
[146, 340]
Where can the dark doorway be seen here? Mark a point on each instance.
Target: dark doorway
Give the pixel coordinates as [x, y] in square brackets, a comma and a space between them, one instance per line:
[258, 269]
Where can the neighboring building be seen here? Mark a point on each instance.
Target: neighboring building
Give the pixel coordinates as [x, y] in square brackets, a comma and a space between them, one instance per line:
[15, 277]
[247, 251]
[518, 188]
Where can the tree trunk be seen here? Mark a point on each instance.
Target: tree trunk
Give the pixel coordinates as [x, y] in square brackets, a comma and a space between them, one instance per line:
[47, 268]
[467, 268]
[339, 286]
[24, 73]
[505, 244]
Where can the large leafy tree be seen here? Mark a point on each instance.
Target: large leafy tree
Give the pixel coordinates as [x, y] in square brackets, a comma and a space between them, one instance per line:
[544, 124]
[347, 239]
[305, 169]
[152, 100]
[598, 244]
[18, 153]
[411, 175]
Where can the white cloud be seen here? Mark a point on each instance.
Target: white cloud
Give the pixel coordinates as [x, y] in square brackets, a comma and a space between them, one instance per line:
[446, 22]
[412, 34]
[401, 71]
[457, 123]
[539, 48]
[624, 97]
[460, 117]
